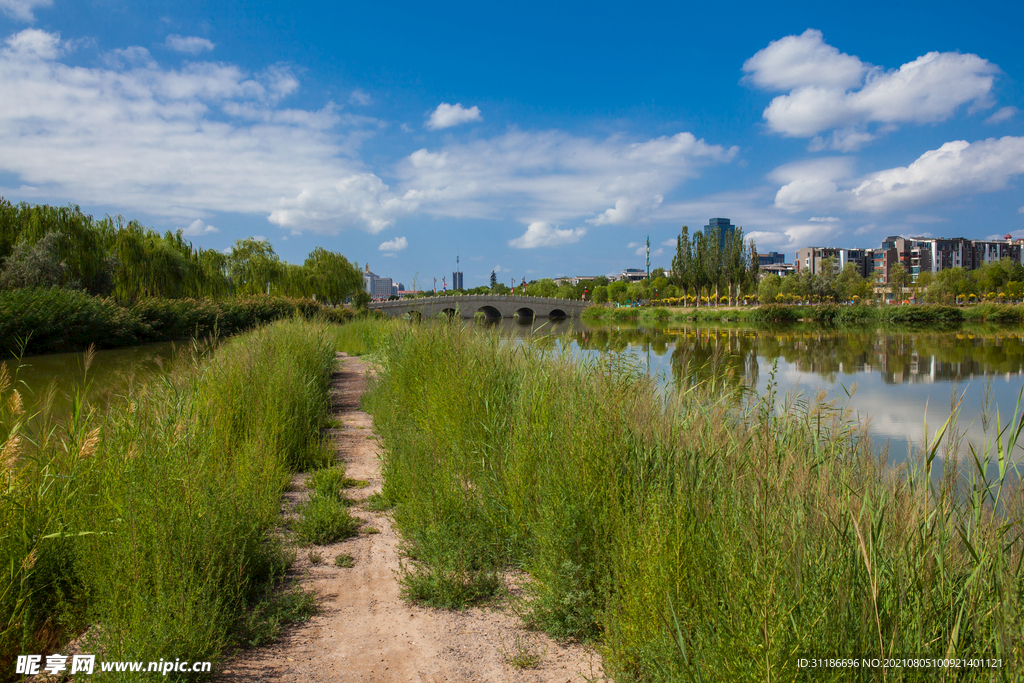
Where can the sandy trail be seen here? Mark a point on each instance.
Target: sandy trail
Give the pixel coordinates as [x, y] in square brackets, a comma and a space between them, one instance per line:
[364, 630]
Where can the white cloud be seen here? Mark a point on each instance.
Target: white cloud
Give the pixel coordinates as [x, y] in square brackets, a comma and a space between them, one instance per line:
[956, 168]
[825, 219]
[448, 115]
[833, 91]
[553, 176]
[211, 137]
[198, 228]
[395, 245]
[22, 9]
[541, 234]
[1002, 114]
[632, 245]
[670, 242]
[360, 198]
[360, 97]
[1020, 210]
[804, 60]
[190, 45]
[181, 142]
[797, 236]
[810, 183]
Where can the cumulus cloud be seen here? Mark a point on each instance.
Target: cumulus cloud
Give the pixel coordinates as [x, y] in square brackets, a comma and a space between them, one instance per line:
[448, 115]
[956, 168]
[198, 228]
[825, 219]
[833, 92]
[800, 61]
[670, 242]
[1002, 114]
[180, 142]
[22, 9]
[541, 234]
[394, 245]
[326, 207]
[553, 176]
[797, 236]
[206, 137]
[190, 45]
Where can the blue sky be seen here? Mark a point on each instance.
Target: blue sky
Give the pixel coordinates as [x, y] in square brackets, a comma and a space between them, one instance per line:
[536, 140]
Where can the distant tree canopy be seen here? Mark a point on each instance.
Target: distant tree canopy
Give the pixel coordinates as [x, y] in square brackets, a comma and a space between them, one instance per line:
[59, 246]
[705, 264]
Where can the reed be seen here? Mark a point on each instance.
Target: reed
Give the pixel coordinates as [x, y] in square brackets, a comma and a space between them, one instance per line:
[704, 534]
[150, 527]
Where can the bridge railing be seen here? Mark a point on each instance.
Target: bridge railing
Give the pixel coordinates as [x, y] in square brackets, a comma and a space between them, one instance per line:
[476, 297]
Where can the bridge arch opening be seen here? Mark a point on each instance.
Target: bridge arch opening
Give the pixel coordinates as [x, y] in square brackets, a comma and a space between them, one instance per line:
[558, 314]
[449, 313]
[524, 315]
[415, 316]
[490, 313]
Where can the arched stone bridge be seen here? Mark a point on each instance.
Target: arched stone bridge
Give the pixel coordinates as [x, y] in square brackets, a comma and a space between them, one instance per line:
[488, 305]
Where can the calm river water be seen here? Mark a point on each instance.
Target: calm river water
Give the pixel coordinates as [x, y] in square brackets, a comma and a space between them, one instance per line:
[896, 378]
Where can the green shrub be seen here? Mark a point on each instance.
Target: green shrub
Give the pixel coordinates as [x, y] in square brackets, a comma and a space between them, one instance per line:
[929, 313]
[328, 482]
[53, 320]
[324, 520]
[775, 313]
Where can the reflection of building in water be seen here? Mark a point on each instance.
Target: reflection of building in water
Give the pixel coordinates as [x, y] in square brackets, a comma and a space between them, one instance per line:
[929, 369]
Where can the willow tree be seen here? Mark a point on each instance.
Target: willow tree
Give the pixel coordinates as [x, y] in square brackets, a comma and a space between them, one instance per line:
[253, 266]
[331, 276]
[148, 265]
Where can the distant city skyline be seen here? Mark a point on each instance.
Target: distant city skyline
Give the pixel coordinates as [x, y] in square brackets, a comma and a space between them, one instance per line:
[400, 135]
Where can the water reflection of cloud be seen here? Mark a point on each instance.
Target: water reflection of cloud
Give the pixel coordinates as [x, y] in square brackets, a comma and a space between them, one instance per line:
[897, 412]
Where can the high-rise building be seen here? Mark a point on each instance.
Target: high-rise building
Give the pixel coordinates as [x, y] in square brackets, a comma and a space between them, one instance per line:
[381, 288]
[722, 227]
[457, 276]
[368, 279]
[771, 258]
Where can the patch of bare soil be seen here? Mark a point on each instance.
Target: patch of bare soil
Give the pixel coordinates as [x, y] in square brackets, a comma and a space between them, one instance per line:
[364, 631]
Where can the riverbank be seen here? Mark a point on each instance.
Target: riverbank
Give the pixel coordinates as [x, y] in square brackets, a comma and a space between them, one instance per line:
[147, 531]
[691, 535]
[825, 314]
[34, 321]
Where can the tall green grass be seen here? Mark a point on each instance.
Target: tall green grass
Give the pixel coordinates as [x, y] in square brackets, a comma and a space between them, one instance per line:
[150, 528]
[697, 535]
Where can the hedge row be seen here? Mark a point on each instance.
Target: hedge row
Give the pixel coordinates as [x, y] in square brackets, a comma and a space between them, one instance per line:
[54, 320]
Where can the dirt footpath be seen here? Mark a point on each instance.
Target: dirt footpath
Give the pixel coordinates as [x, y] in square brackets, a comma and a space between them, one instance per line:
[364, 630]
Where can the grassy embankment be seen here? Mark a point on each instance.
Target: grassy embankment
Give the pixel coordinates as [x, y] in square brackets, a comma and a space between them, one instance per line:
[826, 314]
[54, 320]
[699, 537]
[151, 528]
